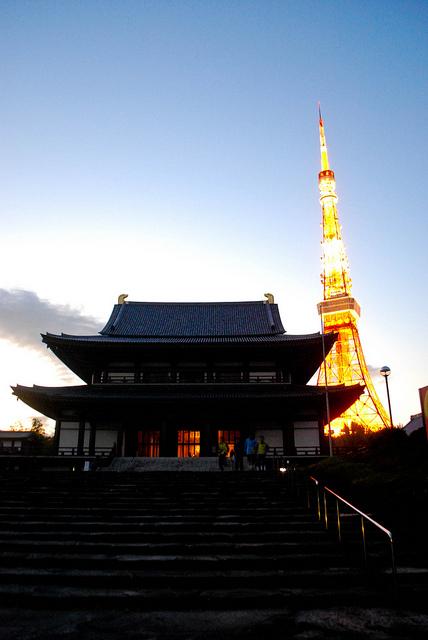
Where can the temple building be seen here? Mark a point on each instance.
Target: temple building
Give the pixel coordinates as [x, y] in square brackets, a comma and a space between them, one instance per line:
[172, 379]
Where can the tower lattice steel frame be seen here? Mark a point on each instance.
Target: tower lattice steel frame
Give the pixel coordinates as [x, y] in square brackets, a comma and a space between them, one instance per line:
[339, 311]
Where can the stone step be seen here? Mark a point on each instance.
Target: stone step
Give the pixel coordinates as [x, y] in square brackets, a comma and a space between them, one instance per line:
[156, 526]
[194, 519]
[203, 579]
[143, 502]
[250, 514]
[161, 577]
[120, 536]
[261, 548]
[159, 599]
[183, 562]
[126, 501]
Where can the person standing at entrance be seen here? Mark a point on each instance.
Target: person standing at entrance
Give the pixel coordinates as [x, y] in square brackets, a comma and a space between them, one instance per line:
[223, 450]
[239, 456]
[250, 445]
[262, 449]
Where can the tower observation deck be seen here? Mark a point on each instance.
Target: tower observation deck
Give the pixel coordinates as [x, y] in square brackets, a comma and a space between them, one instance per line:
[339, 311]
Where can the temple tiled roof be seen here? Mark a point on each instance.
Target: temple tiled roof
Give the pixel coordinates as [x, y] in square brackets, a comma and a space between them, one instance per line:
[264, 339]
[194, 319]
[51, 400]
[135, 331]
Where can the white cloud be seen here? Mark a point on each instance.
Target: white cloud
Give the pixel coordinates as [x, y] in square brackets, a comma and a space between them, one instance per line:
[23, 316]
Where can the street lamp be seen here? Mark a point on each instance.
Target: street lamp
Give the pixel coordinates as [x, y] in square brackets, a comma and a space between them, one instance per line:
[385, 372]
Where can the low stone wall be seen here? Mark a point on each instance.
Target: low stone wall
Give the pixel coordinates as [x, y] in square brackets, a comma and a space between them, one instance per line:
[165, 464]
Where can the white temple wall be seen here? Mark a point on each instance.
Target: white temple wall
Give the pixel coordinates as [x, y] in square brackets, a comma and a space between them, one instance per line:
[273, 437]
[69, 434]
[306, 434]
[106, 438]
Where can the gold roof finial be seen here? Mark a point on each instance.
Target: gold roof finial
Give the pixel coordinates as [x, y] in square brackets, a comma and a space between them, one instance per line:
[270, 298]
[121, 299]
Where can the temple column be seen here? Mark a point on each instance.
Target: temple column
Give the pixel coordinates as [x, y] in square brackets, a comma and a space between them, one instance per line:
[92, 438]
[57, 436]
[131, 443]
[168, 439]
[119, 444]
[288, 438]
[206, 447]
[81, 438]
[213, 439]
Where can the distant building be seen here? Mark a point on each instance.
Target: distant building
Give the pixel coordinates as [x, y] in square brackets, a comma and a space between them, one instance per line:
[172, 379]
[415, 423]
[13, 442]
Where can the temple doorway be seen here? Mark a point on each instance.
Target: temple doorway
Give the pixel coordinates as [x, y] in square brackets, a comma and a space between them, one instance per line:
[148, 444]
[188, 443]
[230, 437]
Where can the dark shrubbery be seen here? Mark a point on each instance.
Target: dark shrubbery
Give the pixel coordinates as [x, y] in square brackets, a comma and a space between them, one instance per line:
[387, 475]
[38, 443]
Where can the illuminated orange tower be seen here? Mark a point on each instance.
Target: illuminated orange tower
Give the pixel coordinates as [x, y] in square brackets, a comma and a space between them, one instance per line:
[339, 311]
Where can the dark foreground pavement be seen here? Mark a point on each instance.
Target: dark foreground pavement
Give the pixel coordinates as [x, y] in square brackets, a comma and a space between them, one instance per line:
[348, 623]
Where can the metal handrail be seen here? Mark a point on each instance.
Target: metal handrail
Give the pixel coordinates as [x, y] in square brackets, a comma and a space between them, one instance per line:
[363, 516]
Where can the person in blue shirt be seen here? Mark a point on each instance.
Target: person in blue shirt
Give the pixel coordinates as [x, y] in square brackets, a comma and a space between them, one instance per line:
[250, 449]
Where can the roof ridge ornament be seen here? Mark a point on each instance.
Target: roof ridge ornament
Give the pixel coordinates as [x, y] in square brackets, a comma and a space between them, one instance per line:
[270, 298]
[121, 299]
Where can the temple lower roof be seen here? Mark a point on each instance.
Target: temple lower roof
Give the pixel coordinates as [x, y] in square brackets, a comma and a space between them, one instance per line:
[96, 399]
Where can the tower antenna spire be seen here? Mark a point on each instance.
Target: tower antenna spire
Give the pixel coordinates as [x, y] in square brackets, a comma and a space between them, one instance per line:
[323, 145]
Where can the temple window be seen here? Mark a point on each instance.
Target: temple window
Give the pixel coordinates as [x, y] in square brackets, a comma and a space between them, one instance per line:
[189, 444]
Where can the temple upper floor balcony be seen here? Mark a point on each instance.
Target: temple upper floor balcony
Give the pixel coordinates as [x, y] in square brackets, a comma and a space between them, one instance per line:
[191, 377]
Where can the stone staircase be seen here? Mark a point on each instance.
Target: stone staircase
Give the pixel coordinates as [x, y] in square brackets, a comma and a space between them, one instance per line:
[172, 547]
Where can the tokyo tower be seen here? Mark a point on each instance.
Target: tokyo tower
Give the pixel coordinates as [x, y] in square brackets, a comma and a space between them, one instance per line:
[339, 311]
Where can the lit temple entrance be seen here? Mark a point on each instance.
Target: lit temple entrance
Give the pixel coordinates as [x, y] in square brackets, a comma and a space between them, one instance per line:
[230, 438]
[189, 444]
[148, 444]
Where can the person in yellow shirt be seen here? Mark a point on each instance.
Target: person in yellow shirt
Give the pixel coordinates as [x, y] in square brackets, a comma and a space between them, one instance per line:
[222, 451]
[262, 449]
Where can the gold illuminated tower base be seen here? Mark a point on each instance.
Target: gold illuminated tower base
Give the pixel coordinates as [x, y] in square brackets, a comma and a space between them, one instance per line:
[339, 311]
[346, 365]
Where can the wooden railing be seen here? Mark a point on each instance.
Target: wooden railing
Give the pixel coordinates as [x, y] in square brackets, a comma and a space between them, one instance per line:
[280, 452]
[193, 377]
[72, 451]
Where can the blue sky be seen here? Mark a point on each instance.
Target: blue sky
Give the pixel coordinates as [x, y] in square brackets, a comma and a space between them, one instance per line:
[170, 150]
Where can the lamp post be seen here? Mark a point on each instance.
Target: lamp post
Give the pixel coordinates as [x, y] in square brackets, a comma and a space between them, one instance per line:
[327, 403]
[385, 372]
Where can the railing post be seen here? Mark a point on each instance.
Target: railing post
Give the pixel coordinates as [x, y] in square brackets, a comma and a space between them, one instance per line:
[325, 511]
[394, 569]
[318, 503]
[339, 533]
[363, 532]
